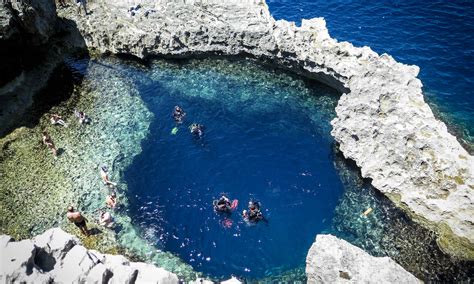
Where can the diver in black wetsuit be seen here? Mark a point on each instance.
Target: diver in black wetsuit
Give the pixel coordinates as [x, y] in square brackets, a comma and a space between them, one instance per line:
[197, 130]
[223, 204]
[253, 214]
[178, 114]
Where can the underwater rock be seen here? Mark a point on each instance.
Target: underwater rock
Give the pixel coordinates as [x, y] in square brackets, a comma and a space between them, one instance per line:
[382, 123]
[332, 260]
[56, 256]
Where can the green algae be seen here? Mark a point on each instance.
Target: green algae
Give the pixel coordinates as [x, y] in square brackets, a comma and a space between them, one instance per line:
[36, 188]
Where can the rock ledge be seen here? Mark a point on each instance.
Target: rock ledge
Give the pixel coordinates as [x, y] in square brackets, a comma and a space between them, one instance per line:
[332, 260]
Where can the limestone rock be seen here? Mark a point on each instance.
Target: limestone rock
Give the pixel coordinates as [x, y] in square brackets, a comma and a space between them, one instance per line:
[120, 267]
[56, 256]
[55, 242]
[332, 260]
[75, 266]
[148, 273]
[232, 280]
[382, 123]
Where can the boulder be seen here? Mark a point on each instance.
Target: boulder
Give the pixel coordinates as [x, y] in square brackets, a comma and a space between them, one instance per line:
[332, 260]
[148, 273]
[120, 267]
[74, 266]
[56, 242]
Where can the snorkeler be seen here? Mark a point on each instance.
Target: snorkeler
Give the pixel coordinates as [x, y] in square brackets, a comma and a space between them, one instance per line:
[111, 200]
[49, 142]
[178, 114]
[223, 204]
[83, 119]
[104, 174]
[56, 119]
[197, 130]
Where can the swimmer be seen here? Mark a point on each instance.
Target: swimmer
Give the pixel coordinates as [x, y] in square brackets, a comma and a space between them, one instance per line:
[83, 119]
[104, 174]
[49, 142]
[56, 119]
[178, 114]
[77, 219]
[197, 130]
[111, 200]
[106, 219]
[223, 204]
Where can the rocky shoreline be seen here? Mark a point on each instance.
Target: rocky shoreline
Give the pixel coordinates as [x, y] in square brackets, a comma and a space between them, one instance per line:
[382, 122]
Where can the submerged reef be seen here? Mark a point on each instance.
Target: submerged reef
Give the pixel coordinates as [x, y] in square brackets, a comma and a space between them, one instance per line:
[382, 122]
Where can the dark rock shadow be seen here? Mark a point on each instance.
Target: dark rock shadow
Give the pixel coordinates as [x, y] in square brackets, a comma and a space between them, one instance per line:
[44, 261]
[95, 231]
[39, 76]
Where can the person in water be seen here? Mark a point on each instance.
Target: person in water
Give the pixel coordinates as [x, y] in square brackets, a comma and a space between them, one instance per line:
[106, 219]
[253, 214]
[78, 220]
[49, 143]
[111, 200]
[83, 119]
[104, 174]
[223, 204]
[178, 114]
[56, 119]
[197, 130]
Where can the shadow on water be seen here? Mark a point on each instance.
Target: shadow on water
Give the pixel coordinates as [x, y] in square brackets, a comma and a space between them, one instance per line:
[388, 231]
[41, 77]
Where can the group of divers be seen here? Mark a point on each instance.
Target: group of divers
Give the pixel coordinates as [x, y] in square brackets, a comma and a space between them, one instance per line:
[222, 205]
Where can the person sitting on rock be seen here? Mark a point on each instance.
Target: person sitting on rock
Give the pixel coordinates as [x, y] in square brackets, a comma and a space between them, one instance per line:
[178, 114]
[197, 130]
[106, 219]
[77, 219]
[104, 174]
[111, 200]
[83, 119]
[56, 119]
[49, 143]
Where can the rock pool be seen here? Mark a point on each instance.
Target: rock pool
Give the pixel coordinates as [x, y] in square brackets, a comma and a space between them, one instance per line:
[266, 138]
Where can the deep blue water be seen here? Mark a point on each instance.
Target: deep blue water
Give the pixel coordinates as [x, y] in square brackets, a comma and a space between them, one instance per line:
[266, 139]
[438, 36]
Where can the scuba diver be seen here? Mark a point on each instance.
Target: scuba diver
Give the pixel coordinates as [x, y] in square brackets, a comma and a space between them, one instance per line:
[197, 130]
[222, 205]
[178, 114]
[253, 214]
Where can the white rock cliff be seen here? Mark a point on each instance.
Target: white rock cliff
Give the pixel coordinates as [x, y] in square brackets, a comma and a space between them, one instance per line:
[332, 260]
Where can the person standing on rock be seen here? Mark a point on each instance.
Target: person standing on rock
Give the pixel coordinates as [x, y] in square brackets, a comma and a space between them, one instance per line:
[78, 220]
[80, 3]
[49, 142]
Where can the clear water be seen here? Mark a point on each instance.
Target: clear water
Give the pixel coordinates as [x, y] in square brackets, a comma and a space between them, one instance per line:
[266, 138]
[436, 35]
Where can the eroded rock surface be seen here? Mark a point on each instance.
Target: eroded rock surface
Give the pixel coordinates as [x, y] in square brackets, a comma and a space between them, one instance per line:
[332, 260]
[56, 256]
[382, 120]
